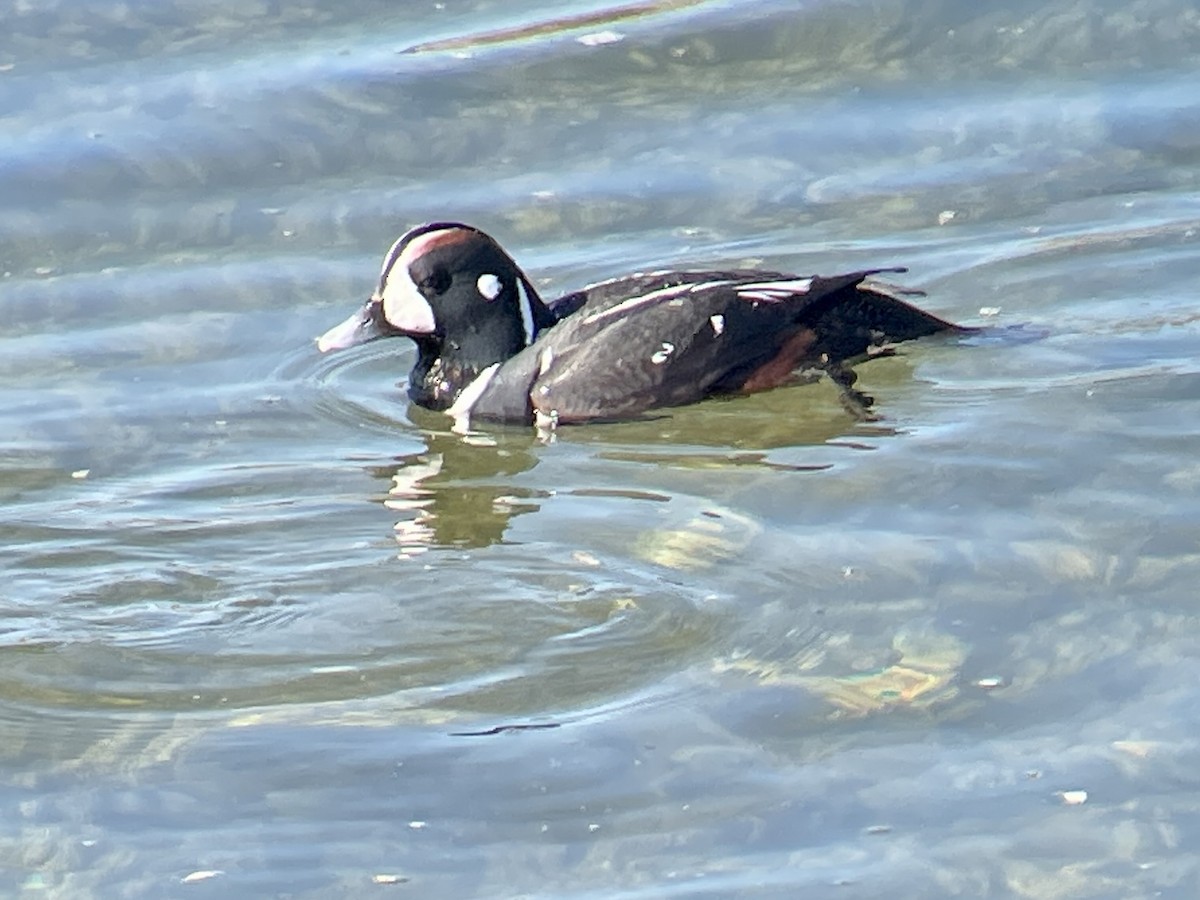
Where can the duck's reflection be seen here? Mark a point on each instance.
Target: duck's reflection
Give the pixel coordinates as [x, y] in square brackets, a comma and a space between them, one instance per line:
[458, 491]
[462, 491]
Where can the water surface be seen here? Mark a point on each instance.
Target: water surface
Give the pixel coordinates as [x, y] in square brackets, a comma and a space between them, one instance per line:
[269, 631]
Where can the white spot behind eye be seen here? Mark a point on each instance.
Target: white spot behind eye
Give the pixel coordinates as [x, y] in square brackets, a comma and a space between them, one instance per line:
[489, 286]
[718, 324]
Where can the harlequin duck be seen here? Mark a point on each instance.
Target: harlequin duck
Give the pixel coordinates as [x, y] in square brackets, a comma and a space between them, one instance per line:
[489, 348]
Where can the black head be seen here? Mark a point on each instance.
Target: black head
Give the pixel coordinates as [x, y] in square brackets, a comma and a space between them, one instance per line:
[453, 290]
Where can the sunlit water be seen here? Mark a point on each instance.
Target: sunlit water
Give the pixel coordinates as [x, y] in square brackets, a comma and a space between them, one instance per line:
[267, 631]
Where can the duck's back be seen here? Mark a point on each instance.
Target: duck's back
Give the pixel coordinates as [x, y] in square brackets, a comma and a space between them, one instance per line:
[660, 339]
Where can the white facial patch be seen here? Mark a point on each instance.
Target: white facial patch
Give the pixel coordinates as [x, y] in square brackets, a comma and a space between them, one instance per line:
[718, 324]
[403, 305]
[389, 258]
[489, 286]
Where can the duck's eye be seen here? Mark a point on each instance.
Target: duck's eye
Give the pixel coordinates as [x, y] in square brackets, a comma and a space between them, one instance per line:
[436, 282]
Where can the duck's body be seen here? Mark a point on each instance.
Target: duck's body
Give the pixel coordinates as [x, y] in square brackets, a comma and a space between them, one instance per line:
[489, 349]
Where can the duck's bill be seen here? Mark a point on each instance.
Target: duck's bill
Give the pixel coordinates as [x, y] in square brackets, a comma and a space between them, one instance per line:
[361, 327]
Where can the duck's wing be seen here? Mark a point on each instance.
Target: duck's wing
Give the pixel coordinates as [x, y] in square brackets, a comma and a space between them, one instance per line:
[620, 354]
[604, 294]
[723, 332]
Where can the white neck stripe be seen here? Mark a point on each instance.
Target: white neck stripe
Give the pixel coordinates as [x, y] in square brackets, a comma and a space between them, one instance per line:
[526, 306]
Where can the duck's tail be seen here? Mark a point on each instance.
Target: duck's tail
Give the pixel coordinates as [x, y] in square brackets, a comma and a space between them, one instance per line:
[864, 316]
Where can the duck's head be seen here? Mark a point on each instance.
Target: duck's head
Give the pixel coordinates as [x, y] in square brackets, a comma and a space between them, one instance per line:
[452, 289]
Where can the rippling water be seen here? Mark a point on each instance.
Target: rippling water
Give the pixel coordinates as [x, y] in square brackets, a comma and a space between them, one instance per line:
[269, 631]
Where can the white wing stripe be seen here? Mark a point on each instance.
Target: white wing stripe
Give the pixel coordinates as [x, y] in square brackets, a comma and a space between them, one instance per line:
[774, 291]
[791, 286]
[607, 281]
[653, 297]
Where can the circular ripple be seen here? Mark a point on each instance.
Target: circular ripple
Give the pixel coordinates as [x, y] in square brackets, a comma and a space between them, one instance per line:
[358, 389]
